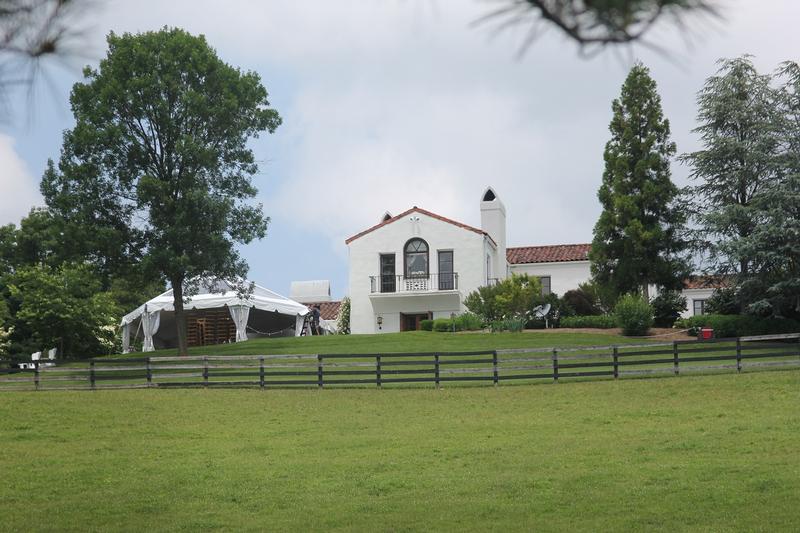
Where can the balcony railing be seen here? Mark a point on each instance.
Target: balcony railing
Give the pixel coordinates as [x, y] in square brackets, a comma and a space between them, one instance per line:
[429, 283]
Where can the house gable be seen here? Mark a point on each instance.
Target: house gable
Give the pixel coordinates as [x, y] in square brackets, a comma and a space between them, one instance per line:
[421, 211]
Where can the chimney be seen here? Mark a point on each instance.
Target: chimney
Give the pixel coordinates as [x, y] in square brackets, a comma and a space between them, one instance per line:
[493, 222]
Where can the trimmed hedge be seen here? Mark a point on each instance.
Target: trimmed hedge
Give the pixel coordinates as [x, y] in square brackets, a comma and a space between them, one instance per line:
[426, 325]
[738, 325]
[590, 321]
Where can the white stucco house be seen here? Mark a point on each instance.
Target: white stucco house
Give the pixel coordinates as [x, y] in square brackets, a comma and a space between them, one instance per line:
[419, 265]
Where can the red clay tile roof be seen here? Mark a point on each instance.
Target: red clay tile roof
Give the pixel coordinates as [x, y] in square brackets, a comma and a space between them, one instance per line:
[327, 310]
[548, 254]
[706, 282]
[424, 212]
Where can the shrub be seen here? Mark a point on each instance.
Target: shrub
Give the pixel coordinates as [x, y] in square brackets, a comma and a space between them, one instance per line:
[469, 322]
[343, 324]
[509, 324]
[634, 315]
[511, 297]
[592, 321]
[426, 325]
[443, 324]
[581, 302]
[515, 324]
[738, 325]
[604, 297]
[667, 308]
[723, 302]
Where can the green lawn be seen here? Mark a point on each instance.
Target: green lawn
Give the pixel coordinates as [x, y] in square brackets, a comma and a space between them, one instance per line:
[410, 341]
[700, 453]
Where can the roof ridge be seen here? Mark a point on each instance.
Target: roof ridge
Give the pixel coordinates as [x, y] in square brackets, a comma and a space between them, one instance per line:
[424, 212]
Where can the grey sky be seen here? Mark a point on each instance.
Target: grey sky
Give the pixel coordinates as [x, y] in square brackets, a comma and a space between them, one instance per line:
[394, 103]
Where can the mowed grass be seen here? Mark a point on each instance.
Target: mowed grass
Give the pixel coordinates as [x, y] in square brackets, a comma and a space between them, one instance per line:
[410, 341]
[700, 453]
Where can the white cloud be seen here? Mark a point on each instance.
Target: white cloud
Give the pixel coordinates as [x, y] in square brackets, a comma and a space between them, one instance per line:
[19, 191]
[394, 103]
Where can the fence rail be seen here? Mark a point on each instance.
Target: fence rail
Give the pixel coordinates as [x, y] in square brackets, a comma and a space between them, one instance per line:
[370, 369]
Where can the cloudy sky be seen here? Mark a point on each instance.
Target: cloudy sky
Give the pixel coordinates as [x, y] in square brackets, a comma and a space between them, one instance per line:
[392, 103]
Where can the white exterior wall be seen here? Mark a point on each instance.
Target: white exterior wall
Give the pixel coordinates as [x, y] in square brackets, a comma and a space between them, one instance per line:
[469, 253]
[692, 295]
[493, 222]
[564, 276]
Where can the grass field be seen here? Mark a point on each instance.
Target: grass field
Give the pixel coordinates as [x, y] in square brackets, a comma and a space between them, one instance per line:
[700, 453]
[409, 341]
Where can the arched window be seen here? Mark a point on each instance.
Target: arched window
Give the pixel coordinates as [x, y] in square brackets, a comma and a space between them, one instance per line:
[416, 258]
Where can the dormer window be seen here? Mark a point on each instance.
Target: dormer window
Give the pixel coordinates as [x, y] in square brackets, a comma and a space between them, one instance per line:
[416, 258]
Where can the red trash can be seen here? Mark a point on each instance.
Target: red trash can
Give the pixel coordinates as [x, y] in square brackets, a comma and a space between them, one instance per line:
[706, 334]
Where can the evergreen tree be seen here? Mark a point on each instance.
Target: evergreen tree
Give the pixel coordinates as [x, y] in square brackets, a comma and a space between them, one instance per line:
[639, 237]
[774, 244]
[738, 128]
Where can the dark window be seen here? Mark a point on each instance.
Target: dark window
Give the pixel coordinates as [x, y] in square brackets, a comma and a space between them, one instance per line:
[388, 278]
[545, 285]
[416, 258]
[699, 307]
[446, 277]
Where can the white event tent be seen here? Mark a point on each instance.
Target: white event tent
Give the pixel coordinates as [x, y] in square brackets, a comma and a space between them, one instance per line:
[261, 313]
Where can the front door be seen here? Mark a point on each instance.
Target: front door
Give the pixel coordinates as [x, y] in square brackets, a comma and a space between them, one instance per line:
[412, 322]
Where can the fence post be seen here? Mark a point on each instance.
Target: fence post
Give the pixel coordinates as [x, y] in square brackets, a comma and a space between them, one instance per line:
[148, 372]
[436, 369]
[738, 354]
[319, 370]
[495, 377]
[36, 375]
[675, 357]
[378, 370]
[205, 371]
[91, 373]
[261, 371]
[615, 361]
[555, 365]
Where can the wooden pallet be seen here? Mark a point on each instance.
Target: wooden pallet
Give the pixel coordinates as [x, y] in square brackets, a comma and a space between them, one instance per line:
[209, 326]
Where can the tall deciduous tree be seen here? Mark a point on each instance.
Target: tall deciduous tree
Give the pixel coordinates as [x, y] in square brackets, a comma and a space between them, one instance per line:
[639, 237]
[160, 143]
[738, 128]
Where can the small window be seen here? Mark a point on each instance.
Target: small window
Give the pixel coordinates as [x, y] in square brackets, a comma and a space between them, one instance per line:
[545, 280]
[699, 307]
[416, 258]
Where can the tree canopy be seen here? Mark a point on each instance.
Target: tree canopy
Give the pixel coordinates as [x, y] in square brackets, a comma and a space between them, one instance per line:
[160, 149]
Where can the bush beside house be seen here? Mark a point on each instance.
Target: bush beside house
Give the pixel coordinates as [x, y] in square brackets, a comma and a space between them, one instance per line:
[634, 315]
[726, 326]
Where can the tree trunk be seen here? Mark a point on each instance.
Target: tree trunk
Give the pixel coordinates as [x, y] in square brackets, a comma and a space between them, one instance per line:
[180, 316]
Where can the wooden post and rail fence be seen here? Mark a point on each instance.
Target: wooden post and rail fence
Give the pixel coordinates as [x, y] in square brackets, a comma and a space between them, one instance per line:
[437, 368]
